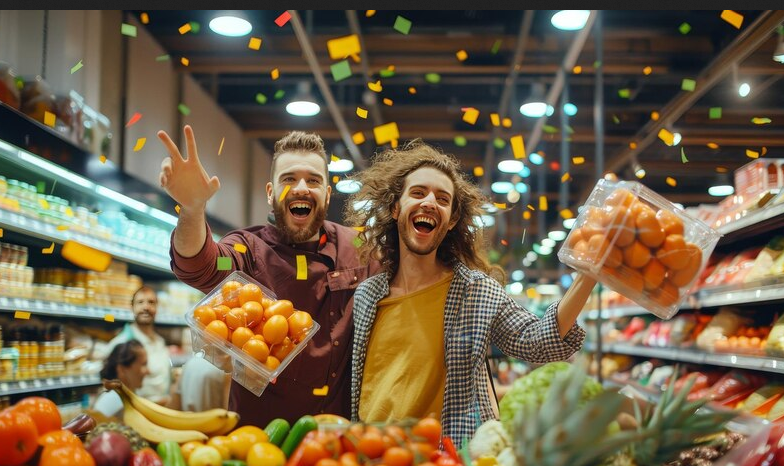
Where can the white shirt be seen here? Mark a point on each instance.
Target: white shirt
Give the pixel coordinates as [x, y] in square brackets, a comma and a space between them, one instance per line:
[156, 384]
[109, 404]
[202, 385]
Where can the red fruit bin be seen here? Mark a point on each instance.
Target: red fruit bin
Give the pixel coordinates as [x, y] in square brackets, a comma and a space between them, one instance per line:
[639, 244]
[245, 369]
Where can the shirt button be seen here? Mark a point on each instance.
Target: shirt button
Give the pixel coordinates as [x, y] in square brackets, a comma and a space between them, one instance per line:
[334, 374]
[335, 274]
[336, 343]
[331, 313]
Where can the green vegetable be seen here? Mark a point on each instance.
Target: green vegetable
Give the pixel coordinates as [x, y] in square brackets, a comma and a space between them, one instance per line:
[170, 453]
[233, 463]
[532, 389]
[304, 425]
[277, 430]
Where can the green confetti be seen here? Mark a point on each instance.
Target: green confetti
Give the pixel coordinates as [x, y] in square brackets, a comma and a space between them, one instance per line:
[386, 73]
[162, 58]
[624, 93]
[688, 84]
[549, 129]
[616, 120]
[402, 25]
[128, 30]
[340, 70]
[195, 27]
[40, 187]
[683, 156]
[597, 64]
[19, 82]
[357, 242]
[460, 141]
[261, 98]
[569, 129]
[499, 143]
[433, 78]
[224, 263]
[496, 46]
[714, 113]
[279, 95]
[184, 109]
[685, 28]
[76, 67]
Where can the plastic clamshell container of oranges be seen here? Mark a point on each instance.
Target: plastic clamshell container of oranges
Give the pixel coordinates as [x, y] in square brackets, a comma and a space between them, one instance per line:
[639, 244]
[253, 365]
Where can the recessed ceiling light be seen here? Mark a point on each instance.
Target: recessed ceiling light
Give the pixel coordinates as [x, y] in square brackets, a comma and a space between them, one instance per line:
[570, 109]
[557, 235]
[231, 26]
[340, 166]
[510, 166]
[536, 159]
[501, 187]
[304, 104]
[744, 89]
[570, 20]
[721, 190]
[348, 186]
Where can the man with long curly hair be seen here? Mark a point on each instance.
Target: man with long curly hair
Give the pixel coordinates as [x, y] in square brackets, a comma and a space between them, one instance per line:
[423, 327]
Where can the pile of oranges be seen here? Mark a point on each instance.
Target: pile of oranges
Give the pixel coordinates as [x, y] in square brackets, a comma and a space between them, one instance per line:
[643, 247]
[267, 330]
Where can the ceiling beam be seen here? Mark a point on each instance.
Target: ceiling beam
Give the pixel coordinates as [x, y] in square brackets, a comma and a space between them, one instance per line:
[353, 24]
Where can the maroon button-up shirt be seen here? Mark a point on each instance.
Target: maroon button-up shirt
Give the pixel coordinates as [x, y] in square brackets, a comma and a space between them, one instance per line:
[334, 271]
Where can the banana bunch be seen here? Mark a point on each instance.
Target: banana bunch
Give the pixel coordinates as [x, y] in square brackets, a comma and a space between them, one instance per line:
[156, 423]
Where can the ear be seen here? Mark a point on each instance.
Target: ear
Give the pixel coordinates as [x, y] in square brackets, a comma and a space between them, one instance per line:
[329, 194]
[452, 223]
[121, 371]
[396, 210]
[269, 192]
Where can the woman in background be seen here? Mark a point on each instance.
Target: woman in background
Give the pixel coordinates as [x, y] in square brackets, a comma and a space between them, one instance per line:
[128, 363]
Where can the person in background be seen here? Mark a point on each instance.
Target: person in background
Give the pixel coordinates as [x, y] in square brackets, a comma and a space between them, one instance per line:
[439, 304]
[128, 363]
[201, 386]
[144, 305]
[299, 193]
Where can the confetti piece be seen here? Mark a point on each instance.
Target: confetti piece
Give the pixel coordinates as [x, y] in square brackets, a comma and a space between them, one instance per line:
[433, 78]
[550, 129]
[343, 47]
[733, 18]
[136, 117]
[387, 101]
[764, 151]
[280, 94]
[632, 145]
[647, 70]
[1, 232]
[712, 145]
[254, 43]
[21, 315]
[302, 267]
[145, 18]
[240, 248]
[624, 93]
[275, 74]
[402, 25]
[565, 177]
[530, 207]
[527, 215]
[62, 227]
[48, 250]
[340, 70]
[671, 181]
[412, 90]
[69, 212]
[177, 209]
[283, 194]
[761, 120]
[76, 67]
[139, 144]
[495, 119]
[496, 46]
[185, 28]
[479, 171]
[577, 69]
[49, 118]
[543, 203]
[470, 115]
[357, 241]
[685, 28]
[683, 156]
[504, 242]
[578, 160]
[108, 318]
[370, 13]
[499, 205]
[386, 133]
[224, 263]
[518, 146]
[688, 84]
[195, 27]
[361, 112]
[220, 149]
[43, 203]
[334, 158]
[499, 143]
[714, 113]
[376, 86]
[615, 119]
[531, 293]
[506, 122]
[40, 187]
[323, 239]
[321, 391]
[566, 214]
[102, 158]
[85, 256]
[666, 136]
[655, 116]
[358, 137]
[460, 141]
[752, 154]
[283, 19]
[128, 30]
[162, 57]
[462, 55]
[185, 61]
[261, 98]
[335, 179]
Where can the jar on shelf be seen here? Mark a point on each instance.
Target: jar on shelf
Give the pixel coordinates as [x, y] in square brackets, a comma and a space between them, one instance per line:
[9, 92]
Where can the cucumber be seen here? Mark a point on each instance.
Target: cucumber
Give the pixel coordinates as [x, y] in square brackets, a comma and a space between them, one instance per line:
[233, 463]
[277, 430]
[304, 425]
[170, 453]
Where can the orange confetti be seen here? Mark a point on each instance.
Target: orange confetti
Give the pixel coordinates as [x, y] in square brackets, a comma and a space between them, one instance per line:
[507, 123]
[185, 28]
[240, 248]
[518, 146]
[495, 119]
[712, 145]
[361, 112]
[479, 171]
[566, 177]
[666, 136]
[543, 203]
[470, 115]
[335, 179]
[387, 133]
[764, 151]
[577, 69]
[145, 18]
[48, 250]
[752, 154]
[632, 145]
[578, 160]
[275, 74]
[735, 19]
[671, 181]
[102, 158]
[412, 90]
[1, 232]
[655, 116]
[370, 13]
[647, 70]
[254, 43]
[49, 118]
[321, 391]
[500, 205]
[462, 55]
[185, 61]
[177, 208]
[220, 149]
[358, 138]
[527, 215]
[108, 318]
[566, 214]
[504, 242]
[387, 101]
[85, 256]
[531, 207]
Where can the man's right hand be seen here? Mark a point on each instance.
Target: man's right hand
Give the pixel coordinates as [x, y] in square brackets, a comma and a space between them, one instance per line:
[185, 180]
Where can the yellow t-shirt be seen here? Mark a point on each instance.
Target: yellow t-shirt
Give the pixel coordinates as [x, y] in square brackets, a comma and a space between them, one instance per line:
[405, 369]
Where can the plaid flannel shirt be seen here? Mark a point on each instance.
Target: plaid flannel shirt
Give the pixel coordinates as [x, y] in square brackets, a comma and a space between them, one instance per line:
[478, 312]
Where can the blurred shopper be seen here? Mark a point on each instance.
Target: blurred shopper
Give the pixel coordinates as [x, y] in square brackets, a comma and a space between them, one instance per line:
[128, 363]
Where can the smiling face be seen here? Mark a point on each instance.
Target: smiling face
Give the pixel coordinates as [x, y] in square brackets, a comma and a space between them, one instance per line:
[300, 214]
[424, 211]
[145, 306]
[133, 375]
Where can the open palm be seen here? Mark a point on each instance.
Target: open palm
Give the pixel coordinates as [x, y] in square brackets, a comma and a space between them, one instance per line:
[185, 180]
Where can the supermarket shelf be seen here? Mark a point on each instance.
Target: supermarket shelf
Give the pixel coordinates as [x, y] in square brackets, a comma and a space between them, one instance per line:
[52, 383]
[615, 312]
[55, 309]
[761, 221]
[739, 361]
[45, 231]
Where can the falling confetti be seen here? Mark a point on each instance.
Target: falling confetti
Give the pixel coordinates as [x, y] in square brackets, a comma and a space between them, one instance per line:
[128, 30]
[49, 118]
[518, 146]
[504, 242]
[387, 101]
[714, 113]
[343, 47]
[283, 194]
[24, 315]
[321, 391]
[712, 145]
[145, 18]
[647, 70]
[361, 112]
[220, 149]
[1, 232]
[376, 86]
[500, 205]
[527, 215]
[577, 69]
[506, 122]
[340, 70]
[616, 120]
[184, 109]
[185, 28]
[177, 209]
[685, 28]
[531, 207]
[764, 151]
[185, 61]
[358, 138]
[102, 158]
[462, 55]
[402, 25]
[761, 120]
[578, 160]
[283, 19]
[302, 267]
[370, 13]
[254, 43]
[671, 181]
[666, 136]
[683, 156]
[460, 141]
[387, 72]
[688, 84]
[386, 133]
[139, 144]
[334, 158]
[733, 18]
[624, 93]
[76, 67]
[550, 129]
[412, 90]
[136, 117]
[224, 263]
[433, 78]
[108, 318]
[499, 143]
[470, 115]
[335, 179]
[240, 248]
[195, 27]
[86, 257]
[479, 171]
[261, 98]
[566, 177]
[48, 250]
[543, 203]
[495, 119]
[566, 214]
[163, 57]
[275, 74]
[752, 154]
[655, 116]
[496, 46]
[62, 227]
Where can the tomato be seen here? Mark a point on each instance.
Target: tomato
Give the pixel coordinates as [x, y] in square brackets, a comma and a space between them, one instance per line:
[371, 444]
[18, 437]
[428, 428]
[59, 438]
[66, 456]
[42, 411]
[398, 456]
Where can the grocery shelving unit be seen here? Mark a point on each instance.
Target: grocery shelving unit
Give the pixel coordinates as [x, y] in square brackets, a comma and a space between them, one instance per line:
[66, 310]
[20, 387]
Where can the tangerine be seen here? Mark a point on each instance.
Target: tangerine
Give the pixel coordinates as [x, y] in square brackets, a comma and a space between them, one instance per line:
[230, 292]
[666, 294]
[636, 255]
[254, 312]
[221, 311]
[282, 350]
[671, 223]
[272, 362]
[281, 307]
[639, 207]
[614, 258]
[673, 252]
[631, 278]
[649, 231]
[622, 226]
[653, 274]
[42, 411]
[275, 329]
[69, 455]
[236, 318]
[299, 323]
[240, 336]
[685, 275]
[250, 292]
[574, 236]
[219, 328]
[597, 247]
[622, 197]
[257, 349]
[204, 314]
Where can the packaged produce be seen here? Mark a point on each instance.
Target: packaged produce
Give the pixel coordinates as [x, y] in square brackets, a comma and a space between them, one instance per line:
[763, 264]
[723, 325]
[760, 395]
[732, 383]
[242, 328]
[775, 341]
[639, 244]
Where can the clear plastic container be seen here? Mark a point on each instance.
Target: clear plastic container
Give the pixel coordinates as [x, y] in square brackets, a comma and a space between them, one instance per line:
[639, 244]
[244, 369]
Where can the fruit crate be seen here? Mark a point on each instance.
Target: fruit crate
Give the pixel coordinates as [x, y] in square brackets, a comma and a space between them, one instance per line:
[639, 244]
[223, 354]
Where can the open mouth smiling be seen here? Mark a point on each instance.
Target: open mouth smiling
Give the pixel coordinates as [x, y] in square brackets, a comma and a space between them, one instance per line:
[424, 224]
[300, 209]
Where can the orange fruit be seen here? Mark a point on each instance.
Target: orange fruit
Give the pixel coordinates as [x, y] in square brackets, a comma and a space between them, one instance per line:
[254, 313]
[649, 231]
[621, 227]
[266, 302]
[250, 292]
[204, 314]
[628, 277]
[243, 438]
[221, 443]
[187, 448]
[636, 255]
[221, 311]
[219, 328]
[69, 455]
[59, 438]
[300, 323]
[281, 350]
[666, 294]
[428, 428]
[580, 249]
[653, 274]
[42, 411]
[597, 247]
[574, 237]
[240, 336]
[622, 197]
[685, 275]
[276, 328]
[673, 252]
[257, 349]
[231, 293]
[671, 223]
[639, 207]
[596, 222]
[236, 318]
[281, 307]
[272, 362]
[614, 258]
[397, 456]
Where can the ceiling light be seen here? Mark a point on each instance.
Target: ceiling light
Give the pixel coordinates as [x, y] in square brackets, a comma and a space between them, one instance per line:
[304, 104]
[536, 159]
[521, 187]
[340, 166]
[548, 243]
[557, 235]
[535, 106]
[545, 250]
[348, 186]
[526, 262]
[501, 187]
[513, 196]
[510, 166]
[489, 208]
[515, 288]
[518, 275]
[531, 256]
[570, 109]
[639, 172]
[722, 187]
[744, 89]
[569, 223]
[525, 172]
[570, 20]
[778, 55]
[676, 138]
[230, 25]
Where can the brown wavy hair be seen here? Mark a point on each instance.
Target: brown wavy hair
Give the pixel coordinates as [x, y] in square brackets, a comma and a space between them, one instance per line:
[382, 187]
[299, 142]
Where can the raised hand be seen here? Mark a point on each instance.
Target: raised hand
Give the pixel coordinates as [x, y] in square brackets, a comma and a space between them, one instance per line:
[185, 180]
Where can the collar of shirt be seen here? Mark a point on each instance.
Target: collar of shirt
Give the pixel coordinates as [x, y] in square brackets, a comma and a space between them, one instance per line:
[326, 247]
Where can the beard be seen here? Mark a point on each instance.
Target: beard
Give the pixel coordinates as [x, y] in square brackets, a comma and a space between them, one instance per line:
[403, 225]
[298, 234]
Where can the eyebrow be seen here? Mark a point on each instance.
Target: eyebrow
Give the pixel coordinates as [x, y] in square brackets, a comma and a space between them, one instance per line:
[313, 174]
[439, 191]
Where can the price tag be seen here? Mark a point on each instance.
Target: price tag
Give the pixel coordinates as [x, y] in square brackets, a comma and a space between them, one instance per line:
[50, 382]
[39, 305]
[22, 384]
[4, 301]
[4, 386]
[37, 383]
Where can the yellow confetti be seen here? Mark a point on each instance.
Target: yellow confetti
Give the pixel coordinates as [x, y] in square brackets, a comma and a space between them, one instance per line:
[386, 133]
[21, 315]
[102, 158]
[275, 74]
[334, 158]
[177, 208]
[507, 123]
[735, 19]
[462, 55]
[139, 144]
[412, 90]
[566, 214]
[370, 13]
[671, 181]
[760, 120]
[49, 118]
[361, 112]
[527, 215]
[393, 143]
[240, 248]
[185, 61]
[358, 137]
[387, 101]
[655, 116]
[254, 43]
[531, 207]
[376, 86]
[359, 229]
[321, 391]
[302, 267]
[283, 194]
[666, 136]
[335, 179]
[632, 145]
[108, 318]
[712, 145]
[62, 227]
[1, 232]
[479, 171]
[577, 69]
[752, 154]
[518, 146]
[578, 160]
[85, 256]
[565, 177]
[543, 203]
[343, 47]
[48, 250]
[647, 70]
[185, 28]
[470, 115]
[495, 119]
[531, 293]
[145, 18]
[500, 205]
[764, 151]
[220, 149]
